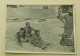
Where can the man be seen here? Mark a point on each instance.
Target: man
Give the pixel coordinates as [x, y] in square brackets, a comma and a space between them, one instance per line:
[28, 31]
[68, 27]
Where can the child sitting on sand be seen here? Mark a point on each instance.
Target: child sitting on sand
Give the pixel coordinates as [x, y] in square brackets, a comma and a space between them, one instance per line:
[20, 35]
[37, 41]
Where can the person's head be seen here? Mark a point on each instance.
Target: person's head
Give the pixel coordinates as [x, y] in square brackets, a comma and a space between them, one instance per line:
[22, 30]
[37, 32]
[60, 7]
[27, 24]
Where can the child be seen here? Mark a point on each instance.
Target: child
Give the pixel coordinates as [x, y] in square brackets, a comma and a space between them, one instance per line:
[37, 41]
[20, 34]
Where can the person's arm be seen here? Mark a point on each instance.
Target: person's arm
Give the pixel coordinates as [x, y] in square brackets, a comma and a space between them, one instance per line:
[59, 13]
[62, 19]
[25, 29]
[39, 37]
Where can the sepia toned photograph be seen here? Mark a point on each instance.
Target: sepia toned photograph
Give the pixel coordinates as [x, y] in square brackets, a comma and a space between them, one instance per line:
[40, 29]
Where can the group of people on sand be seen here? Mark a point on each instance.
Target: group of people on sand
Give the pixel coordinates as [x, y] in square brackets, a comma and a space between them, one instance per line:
[30, 35]
[67, 19]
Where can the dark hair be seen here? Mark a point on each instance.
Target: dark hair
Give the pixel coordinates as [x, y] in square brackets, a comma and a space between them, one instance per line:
[23, 32]
[36, 31]
[21, 29]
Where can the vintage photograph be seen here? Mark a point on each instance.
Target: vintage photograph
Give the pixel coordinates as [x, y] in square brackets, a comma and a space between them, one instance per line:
[40, 29]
